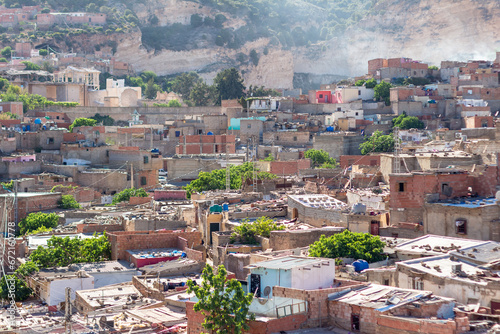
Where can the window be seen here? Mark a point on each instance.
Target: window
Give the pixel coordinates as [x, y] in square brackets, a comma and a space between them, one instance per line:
[415, 283]
[57, 117]
[386, 282]
[484, 123]
[50, 141]
[461, 226]
[339, 109]
[444, 186]
[200, 131]
[294, 138]
[401, 187]
[146, 159]
[414, 72]
[359, 92]
[320, 96]
[144, 181]
[357, 113]
[249, 126]
[277, 138]
[177, 133]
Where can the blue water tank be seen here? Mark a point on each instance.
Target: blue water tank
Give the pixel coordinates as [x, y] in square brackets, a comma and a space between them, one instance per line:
[225, 207]
[38, 121]
[330, 129]
[28, 127]
[210, 133]
[360, 265]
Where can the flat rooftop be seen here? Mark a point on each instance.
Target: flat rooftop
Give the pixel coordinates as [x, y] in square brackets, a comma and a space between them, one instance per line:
[470, 203]
[318, 201]
[154, 253]
[289, 262]
[435, 245]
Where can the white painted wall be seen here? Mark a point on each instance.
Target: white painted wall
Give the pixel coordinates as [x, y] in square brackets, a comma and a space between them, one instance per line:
[57, 288]
[313, 277]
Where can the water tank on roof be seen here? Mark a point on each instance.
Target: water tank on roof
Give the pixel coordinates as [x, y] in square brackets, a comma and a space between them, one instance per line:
[210, 133]
[360, 265]
[216, 208]
[225, 207]
[359, 208]
[38, 121]
[330, 129]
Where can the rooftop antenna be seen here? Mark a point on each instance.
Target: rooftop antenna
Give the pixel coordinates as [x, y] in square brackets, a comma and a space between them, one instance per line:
[397, 151]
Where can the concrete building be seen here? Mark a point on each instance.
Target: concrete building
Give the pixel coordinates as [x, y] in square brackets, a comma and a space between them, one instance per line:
[206, 144]
[87, 76]
[316, 210]
[413, 190]
[472, 218]
[50, 284]
[304, 273]
[116, 94]
[338, 143]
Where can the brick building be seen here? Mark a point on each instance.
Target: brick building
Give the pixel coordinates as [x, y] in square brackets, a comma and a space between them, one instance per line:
[123, 241]
[206, 144]
[410, 191]
[363, 160]
[28, 203]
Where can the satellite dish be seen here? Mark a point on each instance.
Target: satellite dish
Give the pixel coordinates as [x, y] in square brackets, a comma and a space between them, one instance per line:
[267, 291]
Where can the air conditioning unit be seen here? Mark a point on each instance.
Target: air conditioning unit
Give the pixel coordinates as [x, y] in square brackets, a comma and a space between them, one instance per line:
[458, 135]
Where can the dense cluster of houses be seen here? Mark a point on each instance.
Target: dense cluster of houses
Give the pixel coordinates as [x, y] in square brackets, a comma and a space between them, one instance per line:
[434, 201]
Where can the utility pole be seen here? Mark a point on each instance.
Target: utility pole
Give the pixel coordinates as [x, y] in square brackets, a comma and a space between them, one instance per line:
[67, 313]
[397, 151]
[16, 208]
[254, 180]
[228, 171]
[131, 175]
[151, 128]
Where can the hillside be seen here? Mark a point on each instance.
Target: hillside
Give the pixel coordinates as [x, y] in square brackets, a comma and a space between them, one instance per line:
[276, 43]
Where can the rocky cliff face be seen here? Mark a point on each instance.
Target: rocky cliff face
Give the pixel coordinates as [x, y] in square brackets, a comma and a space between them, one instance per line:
[426, 30]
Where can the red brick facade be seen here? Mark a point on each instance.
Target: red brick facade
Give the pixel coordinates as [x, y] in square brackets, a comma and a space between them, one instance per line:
[289, 167]
[123, 241]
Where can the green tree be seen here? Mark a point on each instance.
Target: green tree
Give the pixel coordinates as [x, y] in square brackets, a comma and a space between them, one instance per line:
[319, 157]
[378, 142]
[201, 94]
[229, 85]
[3, 60]
[433, 68]
[254, 57]
[371, 83]
[4, 84]
[43, 52]
[223, 302]
[247, 231]
[151, 89]
[36, 220]
[68, 202]
[13, 283]
[104, 120]
[61, 252]
[82, 122]
[196, 21]
[362, 246]
[406, 122]
[26, 269]
[6, 52]
[269, 157]
[184, 83]
[124, 195]
[174, 104]
[359, 83]
[382, 92]
[30, 66]
[216, 179]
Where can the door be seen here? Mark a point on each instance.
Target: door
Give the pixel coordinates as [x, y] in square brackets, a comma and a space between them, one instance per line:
[374, 227]
[214, 227]
[255, 285]
[355, 322]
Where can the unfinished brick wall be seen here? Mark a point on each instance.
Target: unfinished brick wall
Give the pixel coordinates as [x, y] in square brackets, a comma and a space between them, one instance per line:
[91, 228]
[280, 240]
[123, 241]
[195, 319]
